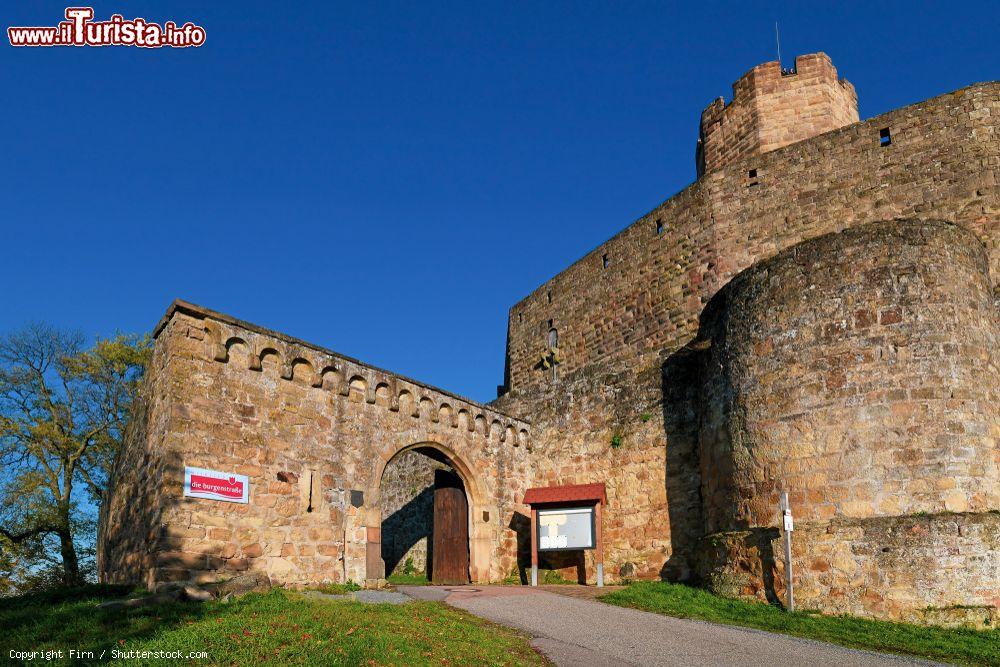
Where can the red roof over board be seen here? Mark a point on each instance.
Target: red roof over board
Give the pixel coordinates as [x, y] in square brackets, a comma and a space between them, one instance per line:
[565, 494]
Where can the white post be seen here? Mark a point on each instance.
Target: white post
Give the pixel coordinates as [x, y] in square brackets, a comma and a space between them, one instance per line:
[788, 526]
[600, 575]
[534, 575]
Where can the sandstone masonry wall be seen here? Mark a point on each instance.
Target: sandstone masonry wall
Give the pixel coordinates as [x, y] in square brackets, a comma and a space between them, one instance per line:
[857, 372]
[777, 324]
[942, 163]
[628, 313]
[130, 518]
[854, 371]
[772, 108]
[308, 427]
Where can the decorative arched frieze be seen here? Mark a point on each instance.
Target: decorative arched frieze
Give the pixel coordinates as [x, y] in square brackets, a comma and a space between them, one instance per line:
[465, 420]
[357, 388]
[382, 395]
[301, 369]
[349, 379]
[446, 415]
[263, 356]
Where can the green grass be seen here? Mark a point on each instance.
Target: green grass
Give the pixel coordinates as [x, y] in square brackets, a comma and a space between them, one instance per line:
[277, 628]
[966, 646]
[403, 579]
[336, 589]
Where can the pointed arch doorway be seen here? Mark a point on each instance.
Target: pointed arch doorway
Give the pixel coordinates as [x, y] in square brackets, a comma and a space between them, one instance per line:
[426, 515]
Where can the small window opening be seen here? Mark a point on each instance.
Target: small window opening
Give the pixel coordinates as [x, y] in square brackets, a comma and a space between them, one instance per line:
[753, 173]
[309, 507]
[659, 226]
[553, 337]
[604, 261]
[884, 137]
[550, 324]
[549, 297]
[752, 178]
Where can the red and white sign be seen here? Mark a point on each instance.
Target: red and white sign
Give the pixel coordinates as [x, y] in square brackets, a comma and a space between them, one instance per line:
[215, 485]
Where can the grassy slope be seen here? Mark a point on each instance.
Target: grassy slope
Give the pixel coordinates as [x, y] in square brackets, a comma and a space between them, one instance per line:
[951, 645]
[274, 628]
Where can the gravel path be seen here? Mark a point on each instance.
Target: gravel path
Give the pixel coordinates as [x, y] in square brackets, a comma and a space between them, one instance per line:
[572, 631]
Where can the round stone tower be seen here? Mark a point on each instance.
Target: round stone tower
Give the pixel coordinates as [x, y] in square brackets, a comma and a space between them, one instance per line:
[858, 372]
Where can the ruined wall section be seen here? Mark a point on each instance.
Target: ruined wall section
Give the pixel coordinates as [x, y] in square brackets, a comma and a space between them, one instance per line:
[942, 162]
[308, 427]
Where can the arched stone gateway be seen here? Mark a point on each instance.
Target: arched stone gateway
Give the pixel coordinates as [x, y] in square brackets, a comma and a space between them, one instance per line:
[312, 432]
[417, 487]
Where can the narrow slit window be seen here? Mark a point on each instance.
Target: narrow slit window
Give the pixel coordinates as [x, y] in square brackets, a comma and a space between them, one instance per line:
[604, 261]
[659, 227]
[309, 506]
[884, 137]
[550, 297]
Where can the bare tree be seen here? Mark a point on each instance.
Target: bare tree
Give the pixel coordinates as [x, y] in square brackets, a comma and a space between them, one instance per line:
[63, 410]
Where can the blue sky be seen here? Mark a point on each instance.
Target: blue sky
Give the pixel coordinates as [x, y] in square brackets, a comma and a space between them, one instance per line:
[387, 179]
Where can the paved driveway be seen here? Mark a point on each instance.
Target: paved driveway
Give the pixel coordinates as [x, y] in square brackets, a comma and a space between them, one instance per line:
[573, 631]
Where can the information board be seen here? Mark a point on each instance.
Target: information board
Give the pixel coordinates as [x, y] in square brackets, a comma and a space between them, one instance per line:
[566, 528]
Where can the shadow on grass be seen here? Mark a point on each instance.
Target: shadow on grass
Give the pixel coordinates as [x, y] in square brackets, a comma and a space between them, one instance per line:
[70, 618]
[273, 628]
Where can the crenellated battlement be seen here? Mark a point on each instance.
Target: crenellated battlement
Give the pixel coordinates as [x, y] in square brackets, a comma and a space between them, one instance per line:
[773, 107]
[230, 340]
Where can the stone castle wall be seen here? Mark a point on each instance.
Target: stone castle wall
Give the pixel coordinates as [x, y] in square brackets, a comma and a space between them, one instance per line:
[308, 427]
[772, 108]
[942, 163]
[129, 525]
[819, 317]
[937, 568]
[854, 371]
[626, 409]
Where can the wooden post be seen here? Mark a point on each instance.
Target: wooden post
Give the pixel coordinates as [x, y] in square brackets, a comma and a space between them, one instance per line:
[534, 547]
[374, 565]
[788, 526]
[599, 543]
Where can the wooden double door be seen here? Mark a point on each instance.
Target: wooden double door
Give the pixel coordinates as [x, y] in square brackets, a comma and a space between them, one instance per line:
[450, 555]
